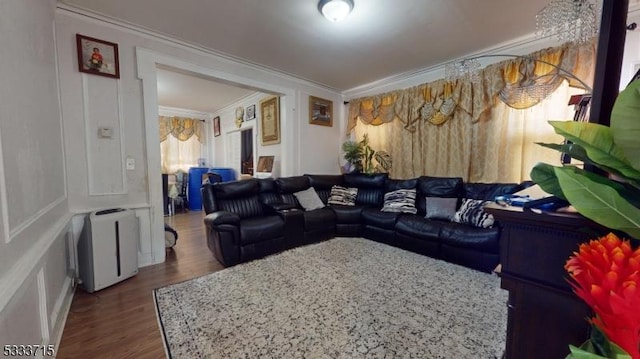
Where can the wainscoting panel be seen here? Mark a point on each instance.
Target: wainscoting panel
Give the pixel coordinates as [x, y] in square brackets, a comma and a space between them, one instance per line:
[104, 136]
[20, 319]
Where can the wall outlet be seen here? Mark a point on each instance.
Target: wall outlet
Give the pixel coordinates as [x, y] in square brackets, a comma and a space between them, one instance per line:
[131, 163]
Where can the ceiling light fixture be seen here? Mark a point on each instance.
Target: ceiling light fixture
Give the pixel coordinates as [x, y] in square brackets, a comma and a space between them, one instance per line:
[335, 10]
[569, 20]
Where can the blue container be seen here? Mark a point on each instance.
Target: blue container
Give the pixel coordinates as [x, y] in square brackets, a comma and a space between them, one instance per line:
[193, 187]
[227, 174]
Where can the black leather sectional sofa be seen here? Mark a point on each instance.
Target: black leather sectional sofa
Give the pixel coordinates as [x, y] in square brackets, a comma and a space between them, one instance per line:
[249, 219]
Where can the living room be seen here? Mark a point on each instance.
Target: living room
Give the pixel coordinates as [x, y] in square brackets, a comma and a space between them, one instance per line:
[71, 171]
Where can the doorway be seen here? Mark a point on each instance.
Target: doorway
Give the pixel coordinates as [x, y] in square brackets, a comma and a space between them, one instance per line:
[246, 152]
[147, 63]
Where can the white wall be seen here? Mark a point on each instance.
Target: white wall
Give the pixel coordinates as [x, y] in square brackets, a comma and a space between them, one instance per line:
[130, 104]
[228, 127]
[35, 283]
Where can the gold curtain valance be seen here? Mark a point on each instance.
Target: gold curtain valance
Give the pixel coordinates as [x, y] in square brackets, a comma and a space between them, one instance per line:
[181, 128]
[438, 101]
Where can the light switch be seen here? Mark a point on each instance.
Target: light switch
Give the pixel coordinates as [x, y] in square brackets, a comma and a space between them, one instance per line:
[131, 163]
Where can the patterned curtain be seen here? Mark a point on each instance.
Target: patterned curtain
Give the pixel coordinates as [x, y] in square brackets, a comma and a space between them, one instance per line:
[181, 128]
[462, 128]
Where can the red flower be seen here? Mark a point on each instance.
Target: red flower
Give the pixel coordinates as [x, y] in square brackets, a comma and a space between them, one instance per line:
[606, 274]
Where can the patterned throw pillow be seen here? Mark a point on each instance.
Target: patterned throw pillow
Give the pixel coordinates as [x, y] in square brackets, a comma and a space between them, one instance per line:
[441, 208]
[343, 196]
[309, 199]
[402, 200]
[472, 212]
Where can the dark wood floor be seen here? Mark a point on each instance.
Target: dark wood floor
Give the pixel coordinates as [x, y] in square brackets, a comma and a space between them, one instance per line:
[120, 321]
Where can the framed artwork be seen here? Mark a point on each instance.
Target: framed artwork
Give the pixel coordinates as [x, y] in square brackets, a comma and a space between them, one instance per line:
[265, 164]
[251, 112]
[216, 126]
[270, 120]
[320, 111]
[97, 57]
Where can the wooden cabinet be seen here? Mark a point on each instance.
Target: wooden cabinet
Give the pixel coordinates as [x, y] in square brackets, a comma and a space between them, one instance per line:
[545, 316]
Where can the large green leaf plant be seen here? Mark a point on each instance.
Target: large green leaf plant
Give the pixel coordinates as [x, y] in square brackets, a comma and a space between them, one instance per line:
[611, 199]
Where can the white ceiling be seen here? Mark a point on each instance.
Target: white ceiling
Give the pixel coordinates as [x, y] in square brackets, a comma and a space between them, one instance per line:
[187, 91]
[380, 38]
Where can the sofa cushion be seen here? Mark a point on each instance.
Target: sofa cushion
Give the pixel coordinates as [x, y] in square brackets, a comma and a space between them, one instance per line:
[259, 229]
[309, 199]
[236, 189]
[450, 187]
[362, 180]
[465, 236]
[348, 214]
[418, 227]
[343, 196]
[292, 184]
[370, 187]
[323, 183]
[374, 217]
[322, 218]
[472, 212]
[396, 184]
[441, 208]
[401, 200]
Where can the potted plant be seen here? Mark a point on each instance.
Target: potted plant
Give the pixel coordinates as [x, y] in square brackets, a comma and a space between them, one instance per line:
[362, 158]
[612, 199]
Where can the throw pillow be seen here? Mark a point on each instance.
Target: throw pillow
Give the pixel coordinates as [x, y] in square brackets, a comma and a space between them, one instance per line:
[441, 208]
[309, 199]
[472, 212]
[402, 200]
[343, 196]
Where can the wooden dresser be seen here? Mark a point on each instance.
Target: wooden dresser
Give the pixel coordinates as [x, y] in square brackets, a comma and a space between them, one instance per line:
[544, 314]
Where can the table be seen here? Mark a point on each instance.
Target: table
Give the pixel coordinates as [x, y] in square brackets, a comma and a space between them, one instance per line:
[545, 316]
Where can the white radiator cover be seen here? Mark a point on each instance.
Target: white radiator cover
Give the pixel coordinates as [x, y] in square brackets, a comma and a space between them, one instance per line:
[108, 248]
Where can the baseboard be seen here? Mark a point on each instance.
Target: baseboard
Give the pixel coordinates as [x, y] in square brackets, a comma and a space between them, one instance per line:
[61, 311]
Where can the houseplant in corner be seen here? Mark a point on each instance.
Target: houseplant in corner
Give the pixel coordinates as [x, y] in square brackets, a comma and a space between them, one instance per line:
[362, 158]
[612, 200]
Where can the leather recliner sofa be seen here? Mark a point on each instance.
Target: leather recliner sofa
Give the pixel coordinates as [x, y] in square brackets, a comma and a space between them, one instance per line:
[253, 218]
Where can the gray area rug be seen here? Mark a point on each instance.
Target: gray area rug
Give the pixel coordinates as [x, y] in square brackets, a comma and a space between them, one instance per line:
[344, 298]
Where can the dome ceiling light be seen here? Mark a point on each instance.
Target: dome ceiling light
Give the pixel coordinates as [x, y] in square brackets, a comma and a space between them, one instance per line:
[335, 10]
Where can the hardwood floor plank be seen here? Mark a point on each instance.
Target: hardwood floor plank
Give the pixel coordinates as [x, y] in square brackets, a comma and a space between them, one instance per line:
[120, 321]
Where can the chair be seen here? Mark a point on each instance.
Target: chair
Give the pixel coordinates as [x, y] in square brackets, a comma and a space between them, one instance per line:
[182, 179]
[214, 178]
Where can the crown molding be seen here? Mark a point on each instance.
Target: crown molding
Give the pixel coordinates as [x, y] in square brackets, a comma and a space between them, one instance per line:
[183, 112]
[519, 46]
[85, 13]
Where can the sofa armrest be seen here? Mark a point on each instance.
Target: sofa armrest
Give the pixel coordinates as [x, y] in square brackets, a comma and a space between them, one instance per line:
[276, 208]
[293, 226]
[222, 217]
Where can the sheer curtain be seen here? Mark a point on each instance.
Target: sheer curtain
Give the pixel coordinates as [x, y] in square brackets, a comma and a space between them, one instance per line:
[179, 155]
[181, 143]
[521, 129]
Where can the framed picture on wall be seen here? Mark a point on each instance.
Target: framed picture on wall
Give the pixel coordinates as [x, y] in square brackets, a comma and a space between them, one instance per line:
[320, 111]
[97, 57]
[216, 126]
[270, 120]
[251, 112]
